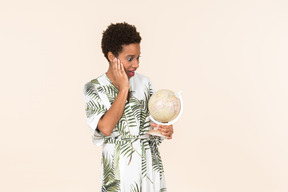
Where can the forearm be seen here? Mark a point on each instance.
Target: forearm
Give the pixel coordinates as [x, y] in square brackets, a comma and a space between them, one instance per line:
[107, 123]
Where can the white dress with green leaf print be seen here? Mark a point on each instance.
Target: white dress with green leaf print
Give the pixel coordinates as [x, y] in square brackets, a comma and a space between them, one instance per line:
[130, 158]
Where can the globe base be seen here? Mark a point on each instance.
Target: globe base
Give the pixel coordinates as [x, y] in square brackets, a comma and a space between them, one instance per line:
[156, 133]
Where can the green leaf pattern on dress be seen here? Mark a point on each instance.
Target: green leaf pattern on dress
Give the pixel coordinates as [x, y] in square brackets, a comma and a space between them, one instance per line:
[131, 148]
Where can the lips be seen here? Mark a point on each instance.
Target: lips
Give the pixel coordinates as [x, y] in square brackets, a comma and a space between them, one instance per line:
[131, 73]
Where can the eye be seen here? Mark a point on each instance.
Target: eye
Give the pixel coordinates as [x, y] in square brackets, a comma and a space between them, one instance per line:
[138, 57]
[129, 59]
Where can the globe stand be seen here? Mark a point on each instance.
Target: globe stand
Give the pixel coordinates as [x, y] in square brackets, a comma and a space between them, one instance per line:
[156, 132]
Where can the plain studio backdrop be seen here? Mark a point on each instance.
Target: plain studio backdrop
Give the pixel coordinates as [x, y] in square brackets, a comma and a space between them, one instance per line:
[228, 57]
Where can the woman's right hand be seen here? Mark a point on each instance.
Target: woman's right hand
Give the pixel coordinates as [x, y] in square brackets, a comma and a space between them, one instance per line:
[109, 120]
[120, 75]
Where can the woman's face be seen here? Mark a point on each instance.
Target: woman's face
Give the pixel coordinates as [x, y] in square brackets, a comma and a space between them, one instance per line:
[129, 57]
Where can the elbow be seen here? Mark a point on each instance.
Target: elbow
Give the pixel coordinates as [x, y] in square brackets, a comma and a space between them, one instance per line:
[104, 130]
[106, 133]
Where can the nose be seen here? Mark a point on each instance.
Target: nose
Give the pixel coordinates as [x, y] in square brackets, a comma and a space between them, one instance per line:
[135, 64]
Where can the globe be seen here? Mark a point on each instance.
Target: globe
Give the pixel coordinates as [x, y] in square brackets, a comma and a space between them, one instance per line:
[164, 106]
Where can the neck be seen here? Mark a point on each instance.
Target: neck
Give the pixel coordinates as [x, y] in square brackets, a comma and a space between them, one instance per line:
[109, 74]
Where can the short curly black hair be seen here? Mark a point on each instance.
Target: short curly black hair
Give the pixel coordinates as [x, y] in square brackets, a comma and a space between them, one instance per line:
[117, 35]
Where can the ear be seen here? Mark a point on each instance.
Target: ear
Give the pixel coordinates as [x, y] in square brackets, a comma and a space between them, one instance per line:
[110, 56]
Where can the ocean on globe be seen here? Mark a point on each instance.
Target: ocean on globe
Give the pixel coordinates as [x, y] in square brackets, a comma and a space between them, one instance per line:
[164, 105]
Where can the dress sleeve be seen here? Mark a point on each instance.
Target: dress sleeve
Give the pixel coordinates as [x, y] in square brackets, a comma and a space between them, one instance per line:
[151, 88]
[95, 109]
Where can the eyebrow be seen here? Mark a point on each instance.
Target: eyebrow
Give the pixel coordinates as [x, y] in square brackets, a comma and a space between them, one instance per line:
[132, 55]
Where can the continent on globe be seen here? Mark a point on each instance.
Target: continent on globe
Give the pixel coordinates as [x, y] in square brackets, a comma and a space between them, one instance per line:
[164, 106]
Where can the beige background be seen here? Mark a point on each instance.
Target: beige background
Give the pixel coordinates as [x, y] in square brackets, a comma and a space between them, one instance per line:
[228, 57]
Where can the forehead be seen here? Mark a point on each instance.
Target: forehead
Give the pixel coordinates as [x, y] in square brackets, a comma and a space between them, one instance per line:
[131, 49]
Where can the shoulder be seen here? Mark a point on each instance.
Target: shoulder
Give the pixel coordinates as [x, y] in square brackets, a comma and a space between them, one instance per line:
[92, 84]
[139, 78]
[141, 84]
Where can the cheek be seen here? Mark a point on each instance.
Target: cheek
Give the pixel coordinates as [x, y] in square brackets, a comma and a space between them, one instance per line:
[126, 65]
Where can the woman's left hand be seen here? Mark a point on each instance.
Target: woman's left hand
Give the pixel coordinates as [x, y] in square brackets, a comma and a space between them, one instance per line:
[166, 130]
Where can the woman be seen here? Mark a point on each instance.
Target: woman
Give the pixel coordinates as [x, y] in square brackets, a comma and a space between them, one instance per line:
[116, 109]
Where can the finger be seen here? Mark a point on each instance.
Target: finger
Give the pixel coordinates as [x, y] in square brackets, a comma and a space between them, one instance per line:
[165, 128]
[113, 63]
[171, 129]
[167, 135]
[114, 66]
[118, 66]
[153, 124]
[122, 69]
[114, 60]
